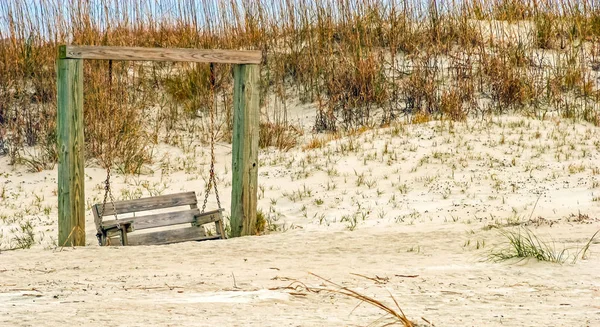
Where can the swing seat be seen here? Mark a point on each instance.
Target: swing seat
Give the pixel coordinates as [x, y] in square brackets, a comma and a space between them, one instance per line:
[183, 225]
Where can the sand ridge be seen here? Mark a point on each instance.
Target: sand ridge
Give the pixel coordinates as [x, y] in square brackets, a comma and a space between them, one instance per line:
[411, 210]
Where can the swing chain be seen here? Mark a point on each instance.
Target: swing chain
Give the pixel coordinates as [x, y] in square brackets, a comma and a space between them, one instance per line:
[108, 194]
[107, 188]
[212, 181]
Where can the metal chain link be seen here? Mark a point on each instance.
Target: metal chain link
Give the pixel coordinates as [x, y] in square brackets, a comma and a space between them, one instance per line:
[107, 194]
[107, 189]
[212, 180]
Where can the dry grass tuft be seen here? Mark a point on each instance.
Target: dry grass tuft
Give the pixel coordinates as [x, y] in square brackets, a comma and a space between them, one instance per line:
[318, 142]
[392, 315]
[282, 137]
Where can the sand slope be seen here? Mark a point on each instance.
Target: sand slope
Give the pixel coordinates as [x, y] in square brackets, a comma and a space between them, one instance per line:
[409, 210]
[192, 284]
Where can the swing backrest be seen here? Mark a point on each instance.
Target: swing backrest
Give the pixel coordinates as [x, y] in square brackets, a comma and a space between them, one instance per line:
[148, 204]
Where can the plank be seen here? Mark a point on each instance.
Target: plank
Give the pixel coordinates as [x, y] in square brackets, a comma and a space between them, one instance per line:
[155, 220]
[245, 149]
[167, 219]
[150, 203]
[71, 196]
[160, 54]
[209, 217]
[124, 236]
[167, 237]
[97, 218]
[220, 229]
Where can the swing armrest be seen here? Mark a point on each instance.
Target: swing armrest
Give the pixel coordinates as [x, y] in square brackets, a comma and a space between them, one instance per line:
[122, 227]
[208, 217]
[214, 216]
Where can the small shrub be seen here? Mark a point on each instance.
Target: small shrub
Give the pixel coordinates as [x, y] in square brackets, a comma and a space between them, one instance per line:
[261, 222]
[193, 87]
[421, 117]
[511, 10]
[451, 105]
[283, 137]
[509, 87]
[355, 88]
[420, 89]
[545, 31]
[317, 142]
[24, 236]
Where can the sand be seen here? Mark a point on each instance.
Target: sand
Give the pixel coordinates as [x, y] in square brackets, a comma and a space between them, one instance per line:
[409, 211]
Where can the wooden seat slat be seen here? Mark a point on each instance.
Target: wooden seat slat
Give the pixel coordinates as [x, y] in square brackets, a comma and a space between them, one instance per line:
[167, 237]
[147, 204]
[167, 219]
[156, 220]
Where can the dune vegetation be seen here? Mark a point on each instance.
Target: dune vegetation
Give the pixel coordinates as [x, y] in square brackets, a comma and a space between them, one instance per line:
[362, 64]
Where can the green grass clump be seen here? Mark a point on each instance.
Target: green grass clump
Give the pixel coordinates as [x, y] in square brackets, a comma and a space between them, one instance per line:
[523, 243]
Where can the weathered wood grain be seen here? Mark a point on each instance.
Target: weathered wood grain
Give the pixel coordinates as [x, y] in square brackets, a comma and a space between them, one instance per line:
[160, 54]
[133, 224]
[208, 217]
[245, 149]
[124, 237]
[167, 219]
[220, 229]
[152, 221]
[167, 237]
[151, 203]
[71, 196]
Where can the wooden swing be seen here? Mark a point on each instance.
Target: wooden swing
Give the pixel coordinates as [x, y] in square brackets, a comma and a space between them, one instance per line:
[71, 141]
[175, 226]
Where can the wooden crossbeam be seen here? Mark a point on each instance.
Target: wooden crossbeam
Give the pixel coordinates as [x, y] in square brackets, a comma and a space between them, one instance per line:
[159, 54]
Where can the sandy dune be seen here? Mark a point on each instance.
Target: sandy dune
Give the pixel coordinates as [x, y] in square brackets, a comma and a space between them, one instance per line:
[412, 211]
[193, 284]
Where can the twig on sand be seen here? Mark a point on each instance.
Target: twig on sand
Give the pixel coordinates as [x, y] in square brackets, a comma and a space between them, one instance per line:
[234, 283]
[298, 286]
[33, 289]
[535, 206]
[376, 279]
[146, 288]
[282, 278]
[47, 271]
[407, 276]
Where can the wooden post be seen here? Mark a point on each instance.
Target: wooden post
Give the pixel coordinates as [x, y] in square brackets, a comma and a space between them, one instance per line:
[71, 205]
[245, 149]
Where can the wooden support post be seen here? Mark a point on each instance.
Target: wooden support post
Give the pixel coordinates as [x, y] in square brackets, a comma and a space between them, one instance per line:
[71, 205]
[245, 149]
